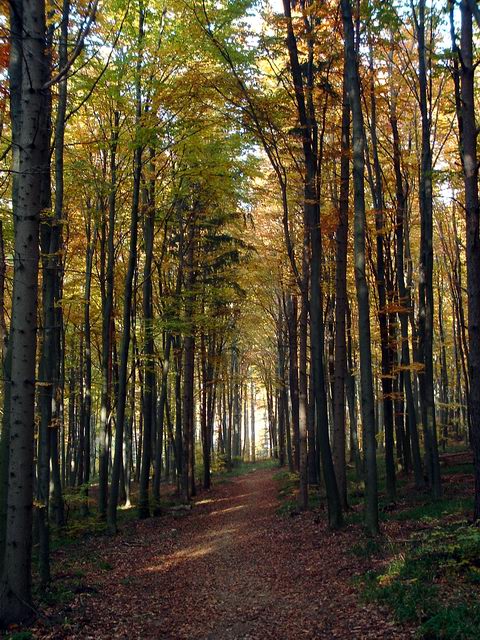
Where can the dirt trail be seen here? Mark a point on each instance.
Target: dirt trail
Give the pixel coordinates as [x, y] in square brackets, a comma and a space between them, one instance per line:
[230, 569]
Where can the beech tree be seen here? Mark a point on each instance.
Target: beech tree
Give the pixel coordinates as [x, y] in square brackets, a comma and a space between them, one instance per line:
[367, 397]
[30, 104]
[468, 149]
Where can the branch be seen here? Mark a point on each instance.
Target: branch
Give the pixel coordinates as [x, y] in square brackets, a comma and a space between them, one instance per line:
[78, 47]
[473, 6]
[105, 67]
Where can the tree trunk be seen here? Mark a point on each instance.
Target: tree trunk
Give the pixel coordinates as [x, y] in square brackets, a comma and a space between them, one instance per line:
[252, 419]
[303, 407]
[282, 420]
[205, 382]
[377, 196]
[292, 320]
[404, 301]
[127, 316]
[6, 360]
[149, 402]
[472, 210]
[188, 482]
[425, 287]
[312, 216]
[29, 117]
[160, 422]
[340, 356]
[181, 457]
[87, 395]
[366, 382]
[107, 322]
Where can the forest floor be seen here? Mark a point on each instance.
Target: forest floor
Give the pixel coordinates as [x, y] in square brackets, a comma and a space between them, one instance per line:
[233, 567]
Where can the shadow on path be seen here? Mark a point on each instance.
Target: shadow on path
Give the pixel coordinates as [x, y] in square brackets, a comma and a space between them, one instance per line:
[230, 569]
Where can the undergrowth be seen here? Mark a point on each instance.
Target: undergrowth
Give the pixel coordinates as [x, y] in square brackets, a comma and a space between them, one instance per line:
[287, 493]
[221, 472]
[433, 582]
[432, 579]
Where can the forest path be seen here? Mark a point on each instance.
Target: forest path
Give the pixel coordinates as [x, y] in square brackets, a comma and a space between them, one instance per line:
[230, 569]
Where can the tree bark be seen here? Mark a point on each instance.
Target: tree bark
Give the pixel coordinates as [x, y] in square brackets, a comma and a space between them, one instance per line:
[107, 324]
[312, 216]
[160, 422]
[378, 200]
[252, 419]
[366, 382]
[29, 117]
[472, 211]
[87, 386]
[425, 287]
[127, 316]
[340, 357]
[292, 320]
[188, 482]
[404, 300]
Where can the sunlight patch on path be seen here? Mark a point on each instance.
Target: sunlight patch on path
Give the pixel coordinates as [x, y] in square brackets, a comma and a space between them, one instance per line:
[227, 510]
[180, 557]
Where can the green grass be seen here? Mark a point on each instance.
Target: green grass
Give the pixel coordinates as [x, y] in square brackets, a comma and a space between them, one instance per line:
[434, 510]
[433, 583]
[460, 622]
[287, 483]
[453, 469]
[368, 548]
[432, 580]
[58, 593]
[79, 527]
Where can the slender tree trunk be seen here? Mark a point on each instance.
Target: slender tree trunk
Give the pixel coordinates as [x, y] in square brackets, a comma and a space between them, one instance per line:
[288, 432]
[404, 300]
[149, 353]
[340, 357]
[377, 193]
[127, 316]
[292, 317]
[443, 378]
[351, 393]
[188, 481]
[425, 287]
[181, 458]
[107, 322]
[303, 407]
[6, 358]
[48, 355]
[204, 378]
[312, 216]
[472, 210]
[160, 422]
[130, 422]
[252, 419]
[236, 405]
[282, 406]
[87, 395]
[366, 382]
